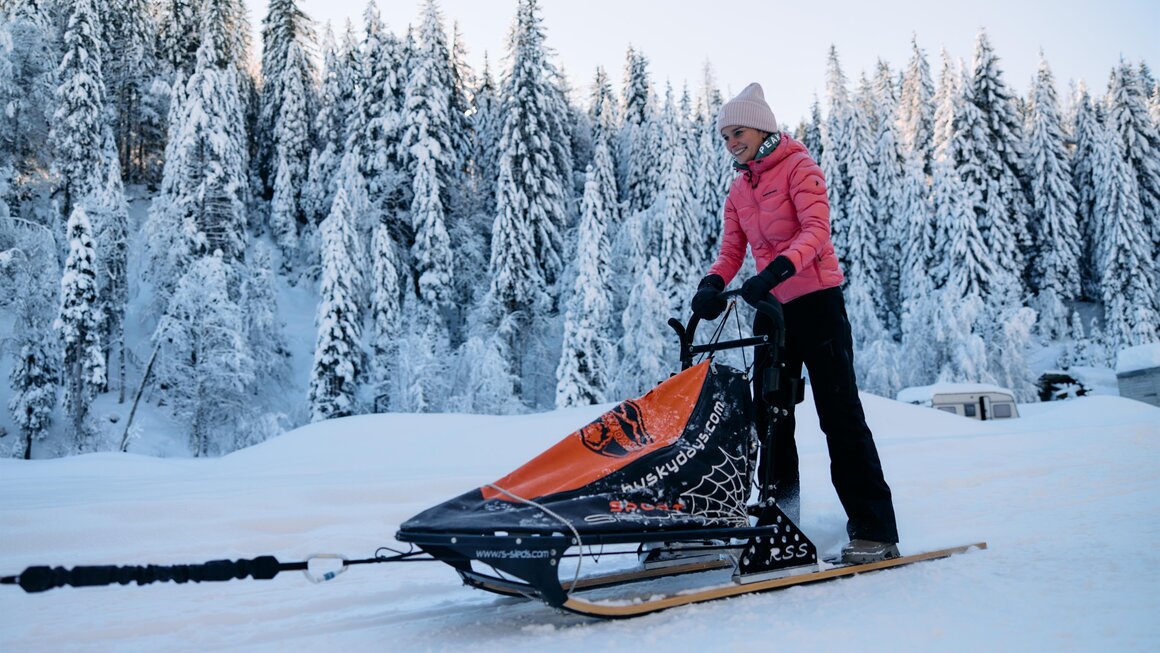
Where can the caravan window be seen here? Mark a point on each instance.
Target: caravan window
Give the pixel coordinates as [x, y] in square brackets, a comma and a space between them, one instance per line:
[969, 410]
[949, 409]
[1001, 410]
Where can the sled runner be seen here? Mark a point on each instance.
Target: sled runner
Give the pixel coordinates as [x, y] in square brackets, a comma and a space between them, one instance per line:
[660, 488]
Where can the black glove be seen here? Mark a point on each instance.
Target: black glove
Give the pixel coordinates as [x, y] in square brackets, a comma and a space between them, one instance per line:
[708, 303]
[757, 287]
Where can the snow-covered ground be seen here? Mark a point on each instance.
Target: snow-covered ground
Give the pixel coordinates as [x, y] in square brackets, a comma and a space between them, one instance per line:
[1067, 496]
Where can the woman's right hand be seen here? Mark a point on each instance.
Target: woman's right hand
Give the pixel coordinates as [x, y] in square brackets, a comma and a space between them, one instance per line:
[707, 302]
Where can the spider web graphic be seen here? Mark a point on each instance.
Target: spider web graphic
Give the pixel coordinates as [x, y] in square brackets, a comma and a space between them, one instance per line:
[721, 494]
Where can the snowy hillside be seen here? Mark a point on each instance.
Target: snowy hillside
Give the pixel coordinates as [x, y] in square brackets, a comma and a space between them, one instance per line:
[1066, 496]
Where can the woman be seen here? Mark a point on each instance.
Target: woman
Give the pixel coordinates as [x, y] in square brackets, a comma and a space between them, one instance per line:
[777, 206]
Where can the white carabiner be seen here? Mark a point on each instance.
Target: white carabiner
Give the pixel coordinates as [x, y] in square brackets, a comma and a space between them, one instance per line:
[323, 576]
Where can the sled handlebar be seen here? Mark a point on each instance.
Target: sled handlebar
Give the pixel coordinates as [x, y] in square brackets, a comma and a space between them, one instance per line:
[769, 307]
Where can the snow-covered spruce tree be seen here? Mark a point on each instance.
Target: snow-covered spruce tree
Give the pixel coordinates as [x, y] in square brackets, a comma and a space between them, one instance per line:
[712, 170]
[517, 288]
[229, 22]
[201, 207]
[535, 114]
[877, 362]
[603, 116]
[602, 113]
[1085, 129]
[32, 55]
[1008, 350]
[527, 236]
[864, 267]
[110, 214]
[916, 283]
[1003, 208]
[959, 195]
[1075, 349]
[1128, 117]
[169, 254]
[7, 172]
[862, 232]
[919, 345]
[78, 120]
[836, 151]
[582, 375]
[473, 203]
[1102, 353]
[427, 142]
[35, 375]
[335, 101]
[287, 85]
[386, 316]
[470, 224]
[917, 250]
[635, 155]
[264, 329]
[481, 379]
[962, 352]
[486, 127]
[129, 71]
[205, 366]
[179, 33]
[338, 359]
[291, 149]
[80, 323]
[1154, 105]
[374, 129]
[662, 129]
[1126, 268]
[916, 109]
[358, 200]
[890, 200]
[604, 139]
[1056, 254]
[463, 83]
[152, 130]
[964, 262]
[916, 275]
[1147, 81]
[643, 347]
[811, 135]
[579, 131]
[419, 379]
[680, 233]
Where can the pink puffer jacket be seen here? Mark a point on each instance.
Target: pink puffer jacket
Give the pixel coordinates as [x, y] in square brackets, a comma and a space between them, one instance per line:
[779, 208]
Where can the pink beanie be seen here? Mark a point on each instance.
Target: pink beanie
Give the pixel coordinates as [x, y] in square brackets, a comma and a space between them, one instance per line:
[748, 109]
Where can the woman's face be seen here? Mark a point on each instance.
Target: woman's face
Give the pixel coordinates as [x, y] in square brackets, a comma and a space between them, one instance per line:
[743, 142]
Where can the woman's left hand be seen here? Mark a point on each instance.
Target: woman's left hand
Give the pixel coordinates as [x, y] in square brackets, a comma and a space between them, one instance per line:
[758, 287]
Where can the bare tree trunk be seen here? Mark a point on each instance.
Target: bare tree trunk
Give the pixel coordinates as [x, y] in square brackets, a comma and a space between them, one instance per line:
[140, 390]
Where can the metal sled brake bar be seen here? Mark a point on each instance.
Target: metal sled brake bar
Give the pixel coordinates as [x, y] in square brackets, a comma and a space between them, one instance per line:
[622, 609]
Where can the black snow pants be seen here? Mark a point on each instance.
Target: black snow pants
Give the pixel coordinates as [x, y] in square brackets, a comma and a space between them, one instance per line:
[818, 336]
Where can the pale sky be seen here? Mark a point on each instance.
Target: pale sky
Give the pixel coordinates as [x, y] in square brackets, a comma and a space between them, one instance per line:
[783, 45]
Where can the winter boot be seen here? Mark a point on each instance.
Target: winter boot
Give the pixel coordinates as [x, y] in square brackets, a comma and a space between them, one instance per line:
[860, 552]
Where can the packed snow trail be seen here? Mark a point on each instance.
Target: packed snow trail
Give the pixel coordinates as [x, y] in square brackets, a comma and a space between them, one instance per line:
[1066, 497]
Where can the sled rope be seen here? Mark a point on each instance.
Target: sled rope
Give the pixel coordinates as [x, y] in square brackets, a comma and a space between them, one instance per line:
[42, 578]
[720, 328]
[551, 513]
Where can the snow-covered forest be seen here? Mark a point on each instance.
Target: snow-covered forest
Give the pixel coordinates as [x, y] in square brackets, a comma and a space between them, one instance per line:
[497, 240]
